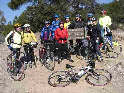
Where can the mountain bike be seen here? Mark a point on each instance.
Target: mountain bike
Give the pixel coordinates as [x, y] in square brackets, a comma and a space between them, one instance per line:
[78, 49]
[15, 67]
[95, 77]
[29, 58]
[46, 55]
[110, 51]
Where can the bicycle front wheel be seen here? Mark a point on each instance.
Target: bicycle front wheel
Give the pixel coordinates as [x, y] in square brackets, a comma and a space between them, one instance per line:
[59, 79]
[49, 62]
[99, 77]
[16, 74]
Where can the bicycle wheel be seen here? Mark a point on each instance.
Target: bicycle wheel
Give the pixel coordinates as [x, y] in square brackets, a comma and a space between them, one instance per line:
[35, 61]
[49, 62]
[112, 54]
[99, 77]
[59, 79]
[81, 53]
[16, 73]
[118, 48]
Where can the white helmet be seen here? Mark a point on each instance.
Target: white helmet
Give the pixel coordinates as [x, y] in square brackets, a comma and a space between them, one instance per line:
[26, 25]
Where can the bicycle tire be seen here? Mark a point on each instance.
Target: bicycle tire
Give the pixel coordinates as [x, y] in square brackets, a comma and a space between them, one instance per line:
[99, 73]
[11, 68]
[14, 74]
[59, 77]
[112, 54]
[49, 63]
[118, 49]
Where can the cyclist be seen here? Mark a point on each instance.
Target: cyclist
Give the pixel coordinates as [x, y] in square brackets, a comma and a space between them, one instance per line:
[67, 22]
[94, 35]
[78, 23]
[105, 22]
[46, 32]
[28, 37]
[14, 40]
[61, 36]
[55, 23]
[89, 22]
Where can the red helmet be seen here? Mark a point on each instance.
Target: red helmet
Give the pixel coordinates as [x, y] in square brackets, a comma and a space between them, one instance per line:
[104, 11]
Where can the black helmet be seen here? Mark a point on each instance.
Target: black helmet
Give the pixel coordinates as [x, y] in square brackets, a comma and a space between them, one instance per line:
[94, 19]
[61, 23]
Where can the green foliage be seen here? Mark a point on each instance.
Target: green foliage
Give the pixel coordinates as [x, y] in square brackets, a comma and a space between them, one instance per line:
[35, 15]
[14, 4]
[7, 29]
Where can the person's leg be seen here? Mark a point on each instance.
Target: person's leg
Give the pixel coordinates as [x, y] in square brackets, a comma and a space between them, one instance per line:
[110, 38]
[67, 52]
[31, 52]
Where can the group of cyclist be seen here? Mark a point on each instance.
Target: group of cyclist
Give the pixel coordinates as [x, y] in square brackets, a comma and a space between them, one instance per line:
[57, 31]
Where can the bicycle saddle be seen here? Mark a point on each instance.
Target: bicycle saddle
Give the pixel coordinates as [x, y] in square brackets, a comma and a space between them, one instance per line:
[69, 66]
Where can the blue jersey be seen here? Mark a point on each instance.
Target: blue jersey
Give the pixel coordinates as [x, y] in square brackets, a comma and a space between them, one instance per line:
[46, 33]
[55, 25]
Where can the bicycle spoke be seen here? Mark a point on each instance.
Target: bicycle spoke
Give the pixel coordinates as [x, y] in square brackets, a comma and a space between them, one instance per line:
[59, 78]
[99, 77]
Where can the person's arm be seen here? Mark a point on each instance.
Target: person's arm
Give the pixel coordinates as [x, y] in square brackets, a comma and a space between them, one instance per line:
[56, 34]
[22, 35]
[42, 33]
[33, 36]
[109, 21]
[7, 37]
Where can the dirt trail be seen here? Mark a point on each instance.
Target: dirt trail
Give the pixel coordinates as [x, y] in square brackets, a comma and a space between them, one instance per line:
[36, 80]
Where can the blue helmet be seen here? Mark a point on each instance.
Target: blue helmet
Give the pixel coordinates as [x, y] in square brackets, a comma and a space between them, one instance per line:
[67, 16]
[56, 16]
[90, 14]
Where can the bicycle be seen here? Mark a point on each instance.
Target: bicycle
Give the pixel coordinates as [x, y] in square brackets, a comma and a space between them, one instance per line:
[95, 77]
[15, 67]
[29, 57]
[77, 49]
[46, 55]
[110, 51]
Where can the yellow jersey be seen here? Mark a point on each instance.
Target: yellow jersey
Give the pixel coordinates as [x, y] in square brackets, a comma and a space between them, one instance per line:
[28, 37]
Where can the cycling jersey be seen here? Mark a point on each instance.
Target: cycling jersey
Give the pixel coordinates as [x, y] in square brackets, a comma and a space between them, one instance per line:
[66, 25]
[28, 37]
[46, 33]
[14, 39]
[61, 35]
[55, 25]
[105, 21]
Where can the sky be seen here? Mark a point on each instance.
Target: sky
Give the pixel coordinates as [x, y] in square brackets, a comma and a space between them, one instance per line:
[10, 14]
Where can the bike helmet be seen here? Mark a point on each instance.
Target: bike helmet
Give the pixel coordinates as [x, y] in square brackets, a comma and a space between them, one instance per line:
[78, 15]
[47, 22]
[56, 16]
[94, 19]
[26, 25]
[61, 23]
[67, 17]
[17, 25]
[90, 14]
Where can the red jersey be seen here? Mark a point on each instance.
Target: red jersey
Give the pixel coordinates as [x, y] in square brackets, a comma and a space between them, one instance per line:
[61, 35]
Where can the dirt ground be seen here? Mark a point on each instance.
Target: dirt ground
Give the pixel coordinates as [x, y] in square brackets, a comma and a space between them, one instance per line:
[36, 79]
